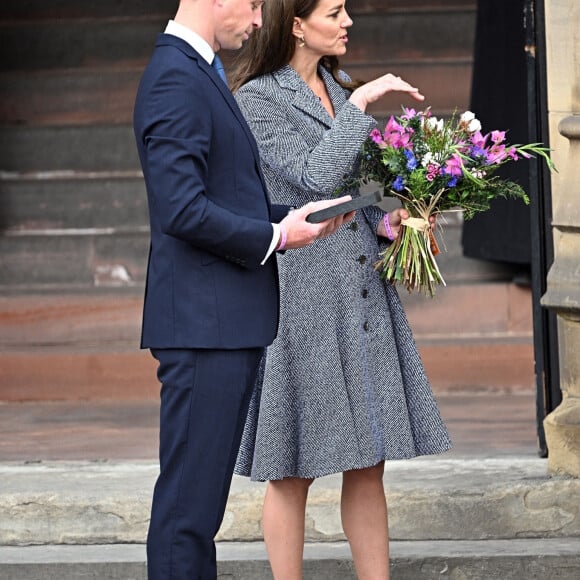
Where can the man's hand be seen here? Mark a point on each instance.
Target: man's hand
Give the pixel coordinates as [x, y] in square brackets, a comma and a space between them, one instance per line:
[301, 233]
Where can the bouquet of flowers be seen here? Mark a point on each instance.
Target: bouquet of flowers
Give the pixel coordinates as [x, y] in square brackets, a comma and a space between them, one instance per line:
[432, 166]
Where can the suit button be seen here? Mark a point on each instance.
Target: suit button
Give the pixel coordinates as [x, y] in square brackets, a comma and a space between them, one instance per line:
[366, 326]
[354, 226]
[365, 293]
[362, 259]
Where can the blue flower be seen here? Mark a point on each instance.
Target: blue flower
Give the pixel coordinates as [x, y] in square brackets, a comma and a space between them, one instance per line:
[452, 182]
[478, 152]
[399, 183]
[411, 161]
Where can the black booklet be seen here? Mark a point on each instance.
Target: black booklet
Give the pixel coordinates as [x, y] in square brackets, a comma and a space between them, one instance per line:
[345, 207]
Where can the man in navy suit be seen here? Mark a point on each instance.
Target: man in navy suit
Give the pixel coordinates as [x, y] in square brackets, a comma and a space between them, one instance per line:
[211, 299]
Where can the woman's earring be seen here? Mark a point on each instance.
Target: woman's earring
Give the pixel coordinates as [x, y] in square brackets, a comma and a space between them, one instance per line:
[301, 44]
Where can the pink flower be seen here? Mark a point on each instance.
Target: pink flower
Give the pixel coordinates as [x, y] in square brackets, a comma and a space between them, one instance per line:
[498, 137]
[478, 139]
[403, 141]
[392, 126]
[408, 113]
[376, 136]
[453, 166]
[513, 153]
[395, 134]
[432, 172]
[496, 154]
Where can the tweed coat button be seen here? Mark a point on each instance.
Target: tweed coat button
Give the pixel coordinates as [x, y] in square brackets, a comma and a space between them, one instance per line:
[362, 259]
[366, 325]
[354, 226]
[365, 293]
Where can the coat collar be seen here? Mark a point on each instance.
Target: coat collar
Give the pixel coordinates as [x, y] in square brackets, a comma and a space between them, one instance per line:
[304, 99]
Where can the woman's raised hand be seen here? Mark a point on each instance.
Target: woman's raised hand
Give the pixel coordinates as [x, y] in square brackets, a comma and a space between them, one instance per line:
[374, 90]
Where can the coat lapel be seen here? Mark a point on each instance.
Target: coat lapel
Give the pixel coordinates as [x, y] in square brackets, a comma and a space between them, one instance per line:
[305, 100]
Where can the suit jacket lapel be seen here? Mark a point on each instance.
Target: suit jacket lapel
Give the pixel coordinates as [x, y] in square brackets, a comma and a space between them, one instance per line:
[221, 86]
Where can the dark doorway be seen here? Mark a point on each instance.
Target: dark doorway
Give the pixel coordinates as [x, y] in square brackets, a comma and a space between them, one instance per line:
[509, 90]
[548, 393]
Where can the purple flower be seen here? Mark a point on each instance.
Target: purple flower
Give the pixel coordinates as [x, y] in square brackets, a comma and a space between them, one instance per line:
[399, 183]
[477, 151]
[452, 182]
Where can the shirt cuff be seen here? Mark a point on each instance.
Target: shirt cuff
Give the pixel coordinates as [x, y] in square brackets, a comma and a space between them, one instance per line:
[273, 243]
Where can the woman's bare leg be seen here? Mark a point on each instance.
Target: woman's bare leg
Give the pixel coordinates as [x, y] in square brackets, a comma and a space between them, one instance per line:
[364, 520]
[283, 522]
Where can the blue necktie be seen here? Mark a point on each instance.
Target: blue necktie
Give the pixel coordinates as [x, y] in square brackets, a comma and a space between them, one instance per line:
[219, 68]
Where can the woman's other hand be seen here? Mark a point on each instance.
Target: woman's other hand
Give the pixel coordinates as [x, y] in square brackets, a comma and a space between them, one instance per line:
[374, 90]
[395, 218]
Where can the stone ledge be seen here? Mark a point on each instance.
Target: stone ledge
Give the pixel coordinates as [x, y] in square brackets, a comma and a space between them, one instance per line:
[484, 560]
[454, 499]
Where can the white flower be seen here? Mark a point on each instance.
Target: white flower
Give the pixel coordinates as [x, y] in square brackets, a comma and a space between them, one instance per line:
[474, 126]
[469, 121]
[467, 117]
[435, 124]
[427, 158]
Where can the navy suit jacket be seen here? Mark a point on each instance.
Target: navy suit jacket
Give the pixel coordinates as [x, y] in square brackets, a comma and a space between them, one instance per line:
[209, 210]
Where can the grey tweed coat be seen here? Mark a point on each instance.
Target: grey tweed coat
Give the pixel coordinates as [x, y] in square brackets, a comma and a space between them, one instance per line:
[343, 386]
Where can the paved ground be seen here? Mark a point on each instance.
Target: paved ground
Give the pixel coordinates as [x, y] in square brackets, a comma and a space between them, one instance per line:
[481, 425]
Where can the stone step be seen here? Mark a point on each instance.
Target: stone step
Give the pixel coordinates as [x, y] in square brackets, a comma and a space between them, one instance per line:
[49, 374]
[75, 40]
[61, 347]
[73, 260]
[68, 10]
[483, 560]
[67, 67]
[131, 9]
[86, 503]
[99, 96]
[94, 233]
[86, 345]
[37, 44]
[79, 96]
[98, 148]
[72, 202]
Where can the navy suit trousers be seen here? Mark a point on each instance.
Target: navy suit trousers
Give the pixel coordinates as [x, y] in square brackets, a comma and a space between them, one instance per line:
[204, 402]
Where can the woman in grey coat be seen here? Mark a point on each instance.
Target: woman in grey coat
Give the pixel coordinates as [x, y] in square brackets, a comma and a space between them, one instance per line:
[342, 388]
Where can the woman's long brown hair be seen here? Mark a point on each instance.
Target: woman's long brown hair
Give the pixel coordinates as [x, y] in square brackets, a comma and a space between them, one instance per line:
[272, 46]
